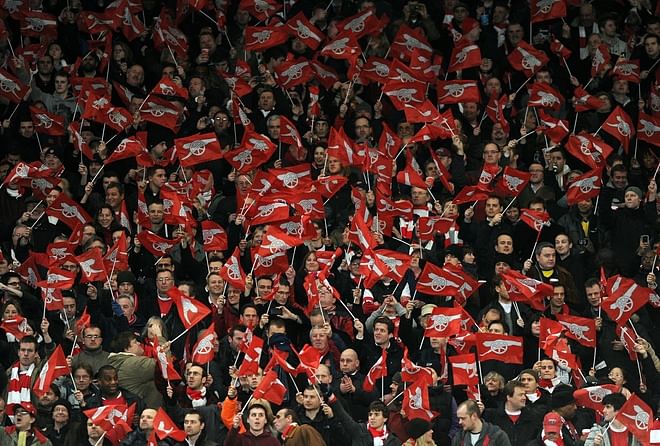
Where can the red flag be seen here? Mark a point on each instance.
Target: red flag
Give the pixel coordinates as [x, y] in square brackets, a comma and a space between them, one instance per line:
[272, 264]
[301, 28]
[255, 149]
[555, 129]
[488, 174]
[559, 49]
[52, 298]
[377, 371]
[271, 389]
[624, 298]
[464, 370]
[91, 266]
[52, 369]
[454, 92]
[58, 278]
[592, 397]
[648, 129]
[309, 359]
[581, 329]
[47, 123]
[165, 35]
[626, 70]
[535, 219]
[326, 75]
[507, 349]
[259, 38]
[213, 236]
[408, 40]
[601, 59]
[495, 111]
[67, 210]
[426, 112]
[470, 193]
[542, 10]
[261, 10]
[375, 69]
[360, 234]
[203, 352]
[232, 272]
[428, 227]
[543, 95]
[589, 149]
[156, 245]
[13, 89]
[409, 176]
[196, 149]
[38, 24]
[583, 101]
[512, 182]
[117, 256]
[342, 147]
[443, 323]
[637, 416]
[291, 73]
[360, 24]
[525, 289]
[167, 87]
[444, 282]
[191, 311]
[250, 363]
[164, 427]
[465, 55]
[161, 112]
[620, 126]
[628, 338]
[584, 187]
[402, 93]
[17, 326]
[416, 402]
[397, 263]
[330, 185]
[108, 416]
[550, 333]
[527, 59]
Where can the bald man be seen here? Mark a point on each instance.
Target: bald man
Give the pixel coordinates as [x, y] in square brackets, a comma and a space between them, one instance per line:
[146, 425]
[348, 387]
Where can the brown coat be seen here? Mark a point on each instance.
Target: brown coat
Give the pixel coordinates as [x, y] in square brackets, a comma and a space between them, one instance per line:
[304, 435]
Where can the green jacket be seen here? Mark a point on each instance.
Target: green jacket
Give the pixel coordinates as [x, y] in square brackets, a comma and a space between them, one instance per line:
[136, 374]
[11, 439]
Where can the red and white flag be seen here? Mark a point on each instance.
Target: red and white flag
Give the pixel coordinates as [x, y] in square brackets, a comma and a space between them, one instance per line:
[196, 149]
[301, 28]
[543, 95]
[512, 182]
[624, 298]
[589, 149]
[581, 329]
[13, 89]
[464, 55]
[294, 72]
[525, 289]
[255, 150]
[592, 397]
[443, 322]
[469, 194]
[543, 10]
[454, 92]
[214, 236]
[648, 129]
[91, 266]
[191, 311]
[464, 369]
[232, 272]
[620, 126]
[377, 371]
[52, 369]
[637, 416]
[583, 101]
[527, 59]
[416, 403]
[164, 427]
[68, 211]
[259, 38]
[507, 349]
[276, 241]
[204, 350]
[626, 70]
[271, 388]
[584, 187]
[156, 245]
[47, 123]
[161, 112]
[600, 60]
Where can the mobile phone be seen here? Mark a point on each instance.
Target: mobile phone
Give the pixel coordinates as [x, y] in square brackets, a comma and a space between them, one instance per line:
[644, 239]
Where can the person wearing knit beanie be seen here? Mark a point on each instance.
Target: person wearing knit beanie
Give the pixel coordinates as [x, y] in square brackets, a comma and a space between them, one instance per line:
[420, 432]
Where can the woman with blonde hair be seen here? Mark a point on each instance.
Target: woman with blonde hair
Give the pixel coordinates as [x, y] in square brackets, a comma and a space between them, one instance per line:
[420, 432]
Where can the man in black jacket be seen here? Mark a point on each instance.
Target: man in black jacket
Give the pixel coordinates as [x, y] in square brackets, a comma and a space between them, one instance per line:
[475, 431]
[520, 423]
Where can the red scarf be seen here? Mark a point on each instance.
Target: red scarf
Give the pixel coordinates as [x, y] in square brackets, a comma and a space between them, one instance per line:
[198, 397]
[164, 305]
[289, 430]
[379, 436]
[19, 387]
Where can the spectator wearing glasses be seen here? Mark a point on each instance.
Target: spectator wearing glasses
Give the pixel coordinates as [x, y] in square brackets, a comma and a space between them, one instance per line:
[24, 434]
[92, 352]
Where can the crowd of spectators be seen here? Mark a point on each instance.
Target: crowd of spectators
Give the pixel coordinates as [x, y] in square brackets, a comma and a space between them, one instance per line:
[328, 185]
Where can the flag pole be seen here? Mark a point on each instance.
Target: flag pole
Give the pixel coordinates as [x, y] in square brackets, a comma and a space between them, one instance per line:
[179, 335]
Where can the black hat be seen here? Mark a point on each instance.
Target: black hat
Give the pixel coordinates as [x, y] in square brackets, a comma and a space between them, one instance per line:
[157, 134]
[562, 396]
[454, 251]
[125, 276]
[55, 150]
[417, 427]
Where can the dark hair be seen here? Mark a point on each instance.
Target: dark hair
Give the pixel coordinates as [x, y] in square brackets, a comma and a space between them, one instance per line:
[122, 341]
[385, 320]
[115, 185]
[105, 368]
[537, 200]
[291, 413]
[379, 406]
[511, 386]
[591, 282]
[502, 323]
[29, 339]
[616, 400]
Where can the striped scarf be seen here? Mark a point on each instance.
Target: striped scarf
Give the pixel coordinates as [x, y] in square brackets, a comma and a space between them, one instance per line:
[19, 387]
